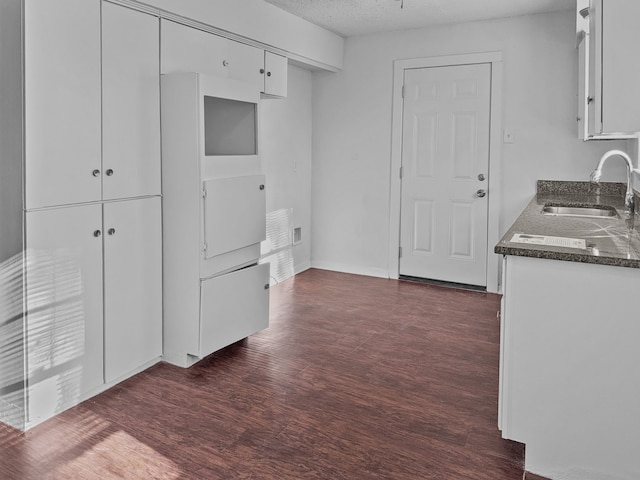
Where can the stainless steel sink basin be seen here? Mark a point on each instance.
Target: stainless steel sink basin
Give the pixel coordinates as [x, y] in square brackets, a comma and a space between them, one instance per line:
[580, 211]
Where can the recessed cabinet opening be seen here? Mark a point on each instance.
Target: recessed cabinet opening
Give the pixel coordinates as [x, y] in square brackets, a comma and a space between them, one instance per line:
[229, 127]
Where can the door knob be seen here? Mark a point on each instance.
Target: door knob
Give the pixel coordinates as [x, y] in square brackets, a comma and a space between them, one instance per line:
[96, 173]
[262, 70]
[481, 193]
[481, 177]
[97, 233]
[111, 231]
[109, 172]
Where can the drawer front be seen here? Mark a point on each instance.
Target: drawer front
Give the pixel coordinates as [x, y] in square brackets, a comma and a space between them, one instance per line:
[233, 306]
[234, 213]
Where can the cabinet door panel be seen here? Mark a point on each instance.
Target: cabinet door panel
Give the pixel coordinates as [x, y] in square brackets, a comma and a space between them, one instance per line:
[234, 213]
[275, 80]
[234, 306]
[133, 285]
[62, 102]
[64, 304]
[131, 103]
[186, 49]
[245, 63]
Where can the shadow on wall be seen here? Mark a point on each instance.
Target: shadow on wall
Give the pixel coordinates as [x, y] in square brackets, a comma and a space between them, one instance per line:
[41, 353]
[277, 248]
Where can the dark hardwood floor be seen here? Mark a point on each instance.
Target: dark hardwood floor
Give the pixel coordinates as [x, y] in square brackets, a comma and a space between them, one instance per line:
[356, 378]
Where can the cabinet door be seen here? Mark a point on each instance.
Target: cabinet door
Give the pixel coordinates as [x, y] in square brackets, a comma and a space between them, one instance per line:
[131, 103]
[234, 213]
[132, 285]
[246, 63]
[275, 80]
[62, 101]
[186, 49]
[233, 307]
[64, 307]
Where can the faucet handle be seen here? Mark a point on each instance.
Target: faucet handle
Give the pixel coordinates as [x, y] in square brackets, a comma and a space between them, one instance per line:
[595, 175]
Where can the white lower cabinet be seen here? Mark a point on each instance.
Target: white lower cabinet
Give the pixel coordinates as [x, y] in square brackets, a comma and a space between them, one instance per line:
[93, 297]
[64, 350]
[233, 306]
[569, 388]
[132, 286]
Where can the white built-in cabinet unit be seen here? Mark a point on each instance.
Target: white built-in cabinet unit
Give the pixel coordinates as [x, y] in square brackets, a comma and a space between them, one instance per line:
[89, 199]
[569, 386]
[215, 292]
[608, 106]
[187, 49]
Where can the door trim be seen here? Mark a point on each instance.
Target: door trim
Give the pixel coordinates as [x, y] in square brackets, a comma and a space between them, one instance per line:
[495, 152]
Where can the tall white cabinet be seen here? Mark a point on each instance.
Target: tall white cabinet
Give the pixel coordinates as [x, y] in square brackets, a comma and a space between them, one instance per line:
[88, 208]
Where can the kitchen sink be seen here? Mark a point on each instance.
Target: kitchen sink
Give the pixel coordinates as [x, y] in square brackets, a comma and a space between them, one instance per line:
[598, 211]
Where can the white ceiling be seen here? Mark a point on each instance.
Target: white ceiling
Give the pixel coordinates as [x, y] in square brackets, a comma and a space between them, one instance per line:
[360, 17]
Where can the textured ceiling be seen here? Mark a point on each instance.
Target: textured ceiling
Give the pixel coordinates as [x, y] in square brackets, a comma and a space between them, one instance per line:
[360, 17]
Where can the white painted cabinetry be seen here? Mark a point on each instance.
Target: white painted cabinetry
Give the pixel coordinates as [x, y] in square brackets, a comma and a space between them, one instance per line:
[87, 205]
[608, 73]
[569, 357]
[132, 231]
[187, 49]
[62, 102]
[275, 75]
[213, 215]
[64, 346]
[130, 103]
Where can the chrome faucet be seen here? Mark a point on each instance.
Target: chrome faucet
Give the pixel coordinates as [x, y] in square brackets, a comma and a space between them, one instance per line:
[628, 197]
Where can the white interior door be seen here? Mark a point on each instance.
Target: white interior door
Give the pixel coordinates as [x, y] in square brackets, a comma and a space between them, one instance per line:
[445, 161]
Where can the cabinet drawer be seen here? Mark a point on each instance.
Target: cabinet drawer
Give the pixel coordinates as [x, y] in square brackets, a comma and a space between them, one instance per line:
[233, 306]
[234, 213]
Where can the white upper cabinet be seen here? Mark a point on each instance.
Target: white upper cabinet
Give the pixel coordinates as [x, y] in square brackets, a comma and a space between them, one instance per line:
[275, 75]
[246, 63]
[130, 103]
[62, 102]
[613, 73]
[186, 49]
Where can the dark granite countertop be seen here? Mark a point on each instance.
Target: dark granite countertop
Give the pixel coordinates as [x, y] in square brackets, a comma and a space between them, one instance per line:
[609, 241]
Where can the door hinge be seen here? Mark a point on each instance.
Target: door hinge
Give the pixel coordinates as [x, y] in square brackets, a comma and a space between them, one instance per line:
[401, 172]
[204, 248]
[402, 91]
[204, 192]
[399, 252]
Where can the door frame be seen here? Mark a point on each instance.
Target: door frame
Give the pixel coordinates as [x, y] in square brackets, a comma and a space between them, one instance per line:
[495, 152]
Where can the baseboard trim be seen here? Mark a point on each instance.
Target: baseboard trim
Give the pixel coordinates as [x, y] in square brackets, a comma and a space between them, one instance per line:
[352, 269]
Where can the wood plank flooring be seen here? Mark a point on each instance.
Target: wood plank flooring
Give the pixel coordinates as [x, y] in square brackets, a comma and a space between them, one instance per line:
[356, 378]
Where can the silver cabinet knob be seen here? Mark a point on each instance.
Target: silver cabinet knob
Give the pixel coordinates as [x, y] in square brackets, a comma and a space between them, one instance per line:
[225, 63]
[109, 172]
[97, 233]
[96, 173]
[261, 187]
[481, 193]
[268, 74]
[111, 231]
[481, 177]
[266, 286]
[262, 70]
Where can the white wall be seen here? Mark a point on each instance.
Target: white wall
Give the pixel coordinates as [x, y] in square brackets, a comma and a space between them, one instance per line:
[286, 157]
[352, 128]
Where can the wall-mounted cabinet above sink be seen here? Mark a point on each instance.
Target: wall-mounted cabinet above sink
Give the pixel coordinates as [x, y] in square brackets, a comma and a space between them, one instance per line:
[609, 73]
